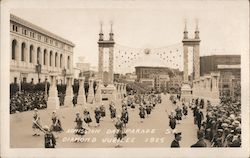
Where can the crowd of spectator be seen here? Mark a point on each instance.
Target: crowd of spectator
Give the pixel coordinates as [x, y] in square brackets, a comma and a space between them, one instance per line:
[25, 101]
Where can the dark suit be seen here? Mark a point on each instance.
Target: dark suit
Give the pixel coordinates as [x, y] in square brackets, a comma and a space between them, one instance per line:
[175, 144]
[200, 143]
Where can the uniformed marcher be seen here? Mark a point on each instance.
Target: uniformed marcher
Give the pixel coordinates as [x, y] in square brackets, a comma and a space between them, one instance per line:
[79, 128]
[172, 121]
[124, 116]
[120, 132]
[56, 123]
[36, 123]
[49, 138]
[184, 109]
[97, 116]
[175, 143]
[103, 111]
[112, 110]
[199, 117]
[178, 114]
[142, 112]
[86, 117]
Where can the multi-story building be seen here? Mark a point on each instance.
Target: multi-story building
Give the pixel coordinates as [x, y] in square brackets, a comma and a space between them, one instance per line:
[158, 78]
[229, 68]
[36, 53]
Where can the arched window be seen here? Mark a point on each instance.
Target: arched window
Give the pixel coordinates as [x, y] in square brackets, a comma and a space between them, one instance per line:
[13, 51]
[23, 52]
[68, 62]
[56, 59]
[45, 57]
[50, 58]
[31, 53]
[13, 28]
[61, 61]
[38, 56]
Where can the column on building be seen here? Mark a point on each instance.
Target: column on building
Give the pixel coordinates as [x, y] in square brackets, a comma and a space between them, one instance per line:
[185, 71]
[69, 92]
[100, 63]
[111, 66]
[81, 100]
[98, 95]
[53, 100]
[196, 61]
[91, 91]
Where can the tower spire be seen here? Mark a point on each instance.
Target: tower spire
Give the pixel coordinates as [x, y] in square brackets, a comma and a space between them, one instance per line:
[185, 31]
[101, 33]
[111, 34]
[197, 30]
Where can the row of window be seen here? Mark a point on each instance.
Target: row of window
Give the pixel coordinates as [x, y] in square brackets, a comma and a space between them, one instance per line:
[15, 28]
[39, 55]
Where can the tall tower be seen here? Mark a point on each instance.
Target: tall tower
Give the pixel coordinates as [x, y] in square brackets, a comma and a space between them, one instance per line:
[109, 44]
[186, 89]
[106, 77]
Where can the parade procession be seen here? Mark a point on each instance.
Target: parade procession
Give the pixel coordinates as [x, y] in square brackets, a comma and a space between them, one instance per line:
[120, 95]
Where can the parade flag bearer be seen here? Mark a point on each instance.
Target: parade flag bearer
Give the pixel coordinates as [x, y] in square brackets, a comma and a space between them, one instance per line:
[36, 123]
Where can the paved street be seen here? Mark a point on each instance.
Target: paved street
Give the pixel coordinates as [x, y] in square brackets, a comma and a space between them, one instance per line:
[152, 131]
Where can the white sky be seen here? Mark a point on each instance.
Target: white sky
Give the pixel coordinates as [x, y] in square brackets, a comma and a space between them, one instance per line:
[223, 25]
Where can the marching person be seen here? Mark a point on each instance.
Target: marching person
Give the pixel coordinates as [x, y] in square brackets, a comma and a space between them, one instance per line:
[97, 116]
[178, 114]
[124, 116]
[86, 117]
[79, 129]
[120, 133]
[142, 112]
[184, 109]
[172, 121]
[199, 117]
[175, 143]
[200, 142]
[74, 100]
[112, 110]
[103, 111]
[56, 124]
[49, 138]
[36, 126]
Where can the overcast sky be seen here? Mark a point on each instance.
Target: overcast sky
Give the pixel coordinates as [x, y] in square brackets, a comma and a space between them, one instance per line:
[223, 25]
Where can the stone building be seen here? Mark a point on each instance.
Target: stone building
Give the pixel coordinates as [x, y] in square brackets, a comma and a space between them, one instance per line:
[36, 53]
[159, 78]
[229, 68]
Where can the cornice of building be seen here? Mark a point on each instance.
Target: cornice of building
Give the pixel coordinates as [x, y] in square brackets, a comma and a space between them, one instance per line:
[39, 29]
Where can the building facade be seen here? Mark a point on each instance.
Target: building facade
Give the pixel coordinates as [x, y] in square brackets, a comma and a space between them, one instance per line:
[36, 53]
[158, 78]
[229, 67]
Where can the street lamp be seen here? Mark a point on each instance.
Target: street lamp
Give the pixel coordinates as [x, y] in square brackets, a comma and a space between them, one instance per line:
[46, 93]
[38, 69]
[64, 71]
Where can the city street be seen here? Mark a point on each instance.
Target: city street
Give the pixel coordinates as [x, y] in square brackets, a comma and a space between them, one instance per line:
[153, 132]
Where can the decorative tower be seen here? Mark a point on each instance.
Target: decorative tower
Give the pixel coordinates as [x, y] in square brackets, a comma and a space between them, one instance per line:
[185, 31]
[107, 88]
[197, 31]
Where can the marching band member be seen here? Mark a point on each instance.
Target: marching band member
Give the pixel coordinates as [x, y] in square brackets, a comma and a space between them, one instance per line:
[79, 129]
[120, 133]
[56, 124]
[86, 117]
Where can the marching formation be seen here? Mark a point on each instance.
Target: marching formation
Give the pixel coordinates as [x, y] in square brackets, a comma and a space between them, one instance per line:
[217, 125]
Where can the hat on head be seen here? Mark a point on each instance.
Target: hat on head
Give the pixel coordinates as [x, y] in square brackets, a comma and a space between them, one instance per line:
[46, 128]
[35, 109]
[177, 134]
